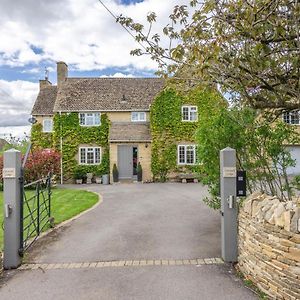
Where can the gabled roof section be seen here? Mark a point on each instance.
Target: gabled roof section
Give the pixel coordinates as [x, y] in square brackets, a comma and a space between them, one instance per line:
[45, 101]
[107, 94]
[129, 132]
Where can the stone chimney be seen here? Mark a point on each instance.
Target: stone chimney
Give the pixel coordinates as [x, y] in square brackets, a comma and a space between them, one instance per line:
[62, 72]
[44, 82]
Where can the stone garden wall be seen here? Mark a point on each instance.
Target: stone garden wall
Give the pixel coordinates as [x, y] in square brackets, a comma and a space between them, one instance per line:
[269, 245]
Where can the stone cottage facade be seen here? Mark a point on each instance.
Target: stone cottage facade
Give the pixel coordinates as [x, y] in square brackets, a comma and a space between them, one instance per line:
[122, 103]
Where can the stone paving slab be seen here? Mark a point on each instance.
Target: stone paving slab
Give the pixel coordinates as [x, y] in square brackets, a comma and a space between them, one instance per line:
[122, 263]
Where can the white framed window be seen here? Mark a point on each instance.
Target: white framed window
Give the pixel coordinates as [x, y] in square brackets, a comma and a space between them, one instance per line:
[189, 113]
[89, 155]
[138, 116]
[90, 119]
[291, 117]
[47, 125]
[186, 154]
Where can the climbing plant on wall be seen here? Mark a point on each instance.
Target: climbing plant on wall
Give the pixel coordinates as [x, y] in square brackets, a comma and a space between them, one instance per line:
[68, 131]
[168, 130]
[40, 139]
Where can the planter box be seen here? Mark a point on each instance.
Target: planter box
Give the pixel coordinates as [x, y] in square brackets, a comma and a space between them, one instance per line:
[78, 181]
[98, 180]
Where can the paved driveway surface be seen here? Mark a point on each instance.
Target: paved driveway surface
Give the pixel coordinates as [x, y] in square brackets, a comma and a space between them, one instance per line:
[134, 222]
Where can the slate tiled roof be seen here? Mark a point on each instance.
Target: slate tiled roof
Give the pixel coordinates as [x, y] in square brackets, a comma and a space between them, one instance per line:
[129, 131]
[107, 94]
[45, 101]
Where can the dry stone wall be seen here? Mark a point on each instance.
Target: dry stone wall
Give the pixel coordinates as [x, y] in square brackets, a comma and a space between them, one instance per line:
[269, 245]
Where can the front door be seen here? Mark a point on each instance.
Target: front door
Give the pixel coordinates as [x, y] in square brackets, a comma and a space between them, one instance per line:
[127, 161]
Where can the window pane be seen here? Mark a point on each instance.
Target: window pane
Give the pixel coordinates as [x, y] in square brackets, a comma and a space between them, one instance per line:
[181, 156]
[47, 125]
[185, 113]
[193, 116]
[190, 154]
[82, 119]
[89, 120]
[90, 157]
[82, 156]
[294, 117]
[97, 156]
[134, 116]
[142, 116]
[97, 118]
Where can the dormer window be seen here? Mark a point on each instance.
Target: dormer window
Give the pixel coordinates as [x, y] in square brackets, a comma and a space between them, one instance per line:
[292, 117]
[47, 125]
[138, 116]
[189, 113]
[90, 119]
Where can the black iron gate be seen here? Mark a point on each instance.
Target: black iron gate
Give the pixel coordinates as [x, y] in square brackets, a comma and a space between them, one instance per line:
[35, 208]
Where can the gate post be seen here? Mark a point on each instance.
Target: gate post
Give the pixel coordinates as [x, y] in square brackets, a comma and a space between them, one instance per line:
[12, 206]
[229, 210]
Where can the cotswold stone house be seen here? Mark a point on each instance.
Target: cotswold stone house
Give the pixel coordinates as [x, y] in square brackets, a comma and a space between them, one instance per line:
[96, 122]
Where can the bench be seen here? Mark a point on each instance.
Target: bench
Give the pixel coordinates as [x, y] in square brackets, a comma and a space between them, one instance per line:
[185, 177]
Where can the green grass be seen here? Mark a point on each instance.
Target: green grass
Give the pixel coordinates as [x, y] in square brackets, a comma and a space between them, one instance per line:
[65, 204]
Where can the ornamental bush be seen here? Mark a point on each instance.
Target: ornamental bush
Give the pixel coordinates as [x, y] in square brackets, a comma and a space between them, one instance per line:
[40, 163]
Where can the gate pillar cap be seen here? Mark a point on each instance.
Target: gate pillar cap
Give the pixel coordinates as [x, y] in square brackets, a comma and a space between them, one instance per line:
[227, 149]
[12, 150]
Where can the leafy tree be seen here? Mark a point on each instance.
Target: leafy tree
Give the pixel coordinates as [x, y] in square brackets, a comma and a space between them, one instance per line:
[260, 148]
[250, 48]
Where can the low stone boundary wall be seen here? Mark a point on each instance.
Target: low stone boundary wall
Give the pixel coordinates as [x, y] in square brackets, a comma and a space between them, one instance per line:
[269, 245]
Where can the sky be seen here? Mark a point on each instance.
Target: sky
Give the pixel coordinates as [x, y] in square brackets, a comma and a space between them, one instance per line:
[35, 34]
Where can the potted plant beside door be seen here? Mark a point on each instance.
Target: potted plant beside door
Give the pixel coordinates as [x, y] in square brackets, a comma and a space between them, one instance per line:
[78, 176]
[139, 172]
[115, 173]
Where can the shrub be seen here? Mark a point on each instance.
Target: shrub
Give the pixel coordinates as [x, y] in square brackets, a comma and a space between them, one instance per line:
[115, 173]
[40, 163]
[260, 148]
[139, 172]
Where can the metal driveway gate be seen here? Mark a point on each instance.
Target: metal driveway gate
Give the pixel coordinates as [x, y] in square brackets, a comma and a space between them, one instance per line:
[35, 211]
[27, 208]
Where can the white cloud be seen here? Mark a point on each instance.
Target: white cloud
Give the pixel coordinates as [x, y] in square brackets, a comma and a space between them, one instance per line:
[118, 75]
[15, 131]
[16, 101]
[82, 33]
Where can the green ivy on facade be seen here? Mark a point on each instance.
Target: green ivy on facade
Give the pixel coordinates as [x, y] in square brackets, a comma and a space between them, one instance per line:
[68, 130]
[168, 130]
[39, 138]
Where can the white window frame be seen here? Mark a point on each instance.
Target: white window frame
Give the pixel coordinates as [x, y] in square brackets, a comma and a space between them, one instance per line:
[139, 118]
[185, 155]
[50, 128]
[89, 150]
[89, 115]
[191, 109]
[288, 120]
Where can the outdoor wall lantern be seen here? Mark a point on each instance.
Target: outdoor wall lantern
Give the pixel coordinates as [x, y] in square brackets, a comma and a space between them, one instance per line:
[32, 120]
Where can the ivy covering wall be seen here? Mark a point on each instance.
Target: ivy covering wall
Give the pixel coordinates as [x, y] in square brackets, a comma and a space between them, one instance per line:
[168, 130]
[67, 126]
[39, 138]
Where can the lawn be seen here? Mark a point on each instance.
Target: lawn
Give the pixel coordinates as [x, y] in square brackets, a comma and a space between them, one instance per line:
[65, 204]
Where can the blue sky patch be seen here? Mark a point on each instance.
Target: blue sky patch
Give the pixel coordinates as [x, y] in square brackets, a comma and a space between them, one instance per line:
[128, 2]
[36, 50]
